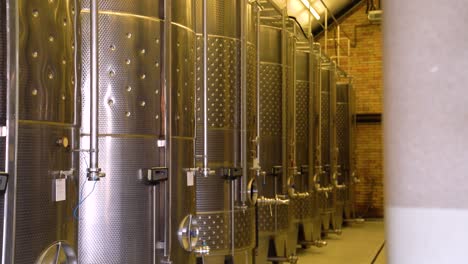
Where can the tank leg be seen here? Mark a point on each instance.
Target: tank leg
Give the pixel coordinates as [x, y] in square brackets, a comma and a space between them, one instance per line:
[212, 260]
[261, 253]
[310, 238]
[293, 233]
[280, 244]
[325, 218]
[243, 257]
[337, 218]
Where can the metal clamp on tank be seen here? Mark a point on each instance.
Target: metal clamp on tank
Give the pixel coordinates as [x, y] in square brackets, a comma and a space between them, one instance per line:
[153, 175]
[230, 173]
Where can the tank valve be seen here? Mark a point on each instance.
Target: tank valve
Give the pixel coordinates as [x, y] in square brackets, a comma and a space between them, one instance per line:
[202, 250]
[94, 174]
[62, 142]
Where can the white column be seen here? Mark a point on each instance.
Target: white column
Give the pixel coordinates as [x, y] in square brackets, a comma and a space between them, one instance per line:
[426, 130]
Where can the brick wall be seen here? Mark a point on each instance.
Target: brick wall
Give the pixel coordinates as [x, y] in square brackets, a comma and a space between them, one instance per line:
[365, 65]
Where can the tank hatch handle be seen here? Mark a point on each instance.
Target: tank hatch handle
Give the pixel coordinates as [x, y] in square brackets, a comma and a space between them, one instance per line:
[154, 175]
[3, 182]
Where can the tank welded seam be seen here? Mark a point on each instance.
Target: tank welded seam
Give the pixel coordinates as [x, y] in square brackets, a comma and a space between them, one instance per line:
[184, 27]
[275, 28]
[275, 64]
[183, 138]
[224, 129]
[270, 63]
[123, 135]
[219, 36]
[123, 14]
[48, 123]
[224, 212]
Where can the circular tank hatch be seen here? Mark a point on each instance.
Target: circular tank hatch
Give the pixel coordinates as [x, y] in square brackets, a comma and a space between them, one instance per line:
[59, 252]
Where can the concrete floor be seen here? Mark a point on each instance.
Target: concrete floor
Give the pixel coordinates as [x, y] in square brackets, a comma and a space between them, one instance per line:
[359, 244]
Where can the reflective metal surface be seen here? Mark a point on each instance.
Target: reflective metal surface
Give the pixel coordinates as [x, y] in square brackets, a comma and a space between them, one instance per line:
[180, 55]
[227, 222]
[326, 196]
[275, 128]
[3, 105]
[306, 85]
[274, 214]
[119, 210]
[46, 165]
[344, 134]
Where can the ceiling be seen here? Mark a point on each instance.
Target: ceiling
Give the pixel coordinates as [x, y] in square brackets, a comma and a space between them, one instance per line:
[332, 9]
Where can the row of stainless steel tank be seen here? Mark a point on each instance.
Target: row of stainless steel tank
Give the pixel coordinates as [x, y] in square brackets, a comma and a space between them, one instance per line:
[178, 131]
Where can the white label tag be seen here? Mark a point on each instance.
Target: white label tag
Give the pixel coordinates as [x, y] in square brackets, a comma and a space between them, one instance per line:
[190, 176]
[60, 190]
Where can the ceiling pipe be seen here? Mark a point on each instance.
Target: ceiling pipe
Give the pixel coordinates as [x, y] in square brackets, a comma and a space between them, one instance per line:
[339, 16]
[94, 172]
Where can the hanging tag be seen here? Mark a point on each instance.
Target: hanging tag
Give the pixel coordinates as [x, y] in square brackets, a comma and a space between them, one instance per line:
[190, 178]
[60, 190]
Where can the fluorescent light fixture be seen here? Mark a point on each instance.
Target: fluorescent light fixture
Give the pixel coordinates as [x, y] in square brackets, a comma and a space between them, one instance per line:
[311, 9]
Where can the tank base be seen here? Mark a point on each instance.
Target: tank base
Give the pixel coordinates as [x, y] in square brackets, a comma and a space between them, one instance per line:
[241, 257]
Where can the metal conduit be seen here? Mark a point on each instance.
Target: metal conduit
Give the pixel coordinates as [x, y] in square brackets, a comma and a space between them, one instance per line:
[205, 169]
[94, 172]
